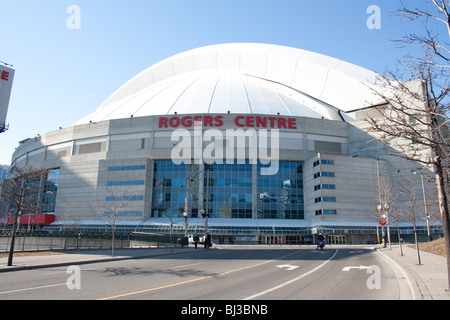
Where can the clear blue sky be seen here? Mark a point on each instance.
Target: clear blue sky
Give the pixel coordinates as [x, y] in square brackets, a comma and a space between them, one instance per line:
[62, 75]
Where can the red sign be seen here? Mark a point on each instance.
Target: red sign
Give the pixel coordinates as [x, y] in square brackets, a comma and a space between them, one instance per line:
[266, 122]
[382, 222]
[248, 121]
[188, 121]
[4, 75]
[35, 219]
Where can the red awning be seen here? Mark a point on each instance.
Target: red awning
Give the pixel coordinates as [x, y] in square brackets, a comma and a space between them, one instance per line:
[35, 219]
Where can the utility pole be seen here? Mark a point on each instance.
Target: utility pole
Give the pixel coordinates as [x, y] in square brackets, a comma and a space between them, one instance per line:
[426, 208]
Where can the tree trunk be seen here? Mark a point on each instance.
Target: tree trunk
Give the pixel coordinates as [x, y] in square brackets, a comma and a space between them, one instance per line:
[417, 243]
[13, 236]
[443, 207]
[399, 239]
[13, 240]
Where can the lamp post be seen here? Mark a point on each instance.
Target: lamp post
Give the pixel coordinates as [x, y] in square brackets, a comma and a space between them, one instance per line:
[379, 206]
[386, 208]
[202, 211]
[383, 223]
[427, 216]
[185, 214]
[207, 199]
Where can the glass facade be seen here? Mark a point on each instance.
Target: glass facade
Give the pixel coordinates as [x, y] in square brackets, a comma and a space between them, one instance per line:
[229, 192]
[169, 189]
[281, 196]
[50, 191]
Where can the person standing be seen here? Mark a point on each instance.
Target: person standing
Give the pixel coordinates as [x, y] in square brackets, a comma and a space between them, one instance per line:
[207, 241]
[196, 240]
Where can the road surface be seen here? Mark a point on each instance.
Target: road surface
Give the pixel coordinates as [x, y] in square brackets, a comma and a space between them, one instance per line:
[227, 273]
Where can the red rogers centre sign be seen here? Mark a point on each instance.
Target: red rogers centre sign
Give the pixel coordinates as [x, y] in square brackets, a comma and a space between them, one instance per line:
[249, 121]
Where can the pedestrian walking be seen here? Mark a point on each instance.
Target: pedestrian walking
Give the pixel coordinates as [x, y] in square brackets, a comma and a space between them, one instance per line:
[207, 241]
[196, 240]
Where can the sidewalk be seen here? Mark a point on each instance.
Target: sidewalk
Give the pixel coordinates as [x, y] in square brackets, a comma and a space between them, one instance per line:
[79, 257]
[429, 280]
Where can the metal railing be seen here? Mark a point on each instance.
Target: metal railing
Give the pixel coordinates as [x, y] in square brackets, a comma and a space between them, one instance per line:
[43, 241]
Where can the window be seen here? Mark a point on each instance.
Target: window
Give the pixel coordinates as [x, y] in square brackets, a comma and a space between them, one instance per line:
[329, 162]
[325, 212]
[229, 191]
[126, 168]
[327, 174]
[323, 161]
[50, 191]
[325, 199]
[325, 187]
[126, 198]
[324, 174]
[281, 196]
[125, 183]
[125, 214]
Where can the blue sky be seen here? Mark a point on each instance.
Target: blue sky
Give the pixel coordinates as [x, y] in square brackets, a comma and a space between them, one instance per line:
[62, 75]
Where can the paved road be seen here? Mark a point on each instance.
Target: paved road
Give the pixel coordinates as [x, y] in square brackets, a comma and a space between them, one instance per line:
[228, 273]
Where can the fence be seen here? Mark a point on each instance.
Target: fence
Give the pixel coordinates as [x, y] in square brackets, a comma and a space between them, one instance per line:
[89, 241]
[143, 240]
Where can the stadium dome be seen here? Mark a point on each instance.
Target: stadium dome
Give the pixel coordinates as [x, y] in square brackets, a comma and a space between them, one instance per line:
[244, 78]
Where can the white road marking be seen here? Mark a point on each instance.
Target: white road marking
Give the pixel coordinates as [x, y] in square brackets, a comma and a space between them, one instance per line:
[346, 269]
[35, 288]
[289, 267]
[187, 265]
[293, 280]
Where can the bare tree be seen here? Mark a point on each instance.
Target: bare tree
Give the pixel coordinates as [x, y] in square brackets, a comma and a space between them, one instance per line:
[70, 220]
[410, 192]
[387, 199]
[414, 120]
[22, 191]
[437, 11]
[115, 203]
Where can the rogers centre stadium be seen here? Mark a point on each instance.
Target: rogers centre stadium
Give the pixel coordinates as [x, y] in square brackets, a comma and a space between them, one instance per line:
[253, 143]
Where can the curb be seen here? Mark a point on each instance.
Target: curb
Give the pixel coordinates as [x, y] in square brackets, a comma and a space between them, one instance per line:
[413, 289]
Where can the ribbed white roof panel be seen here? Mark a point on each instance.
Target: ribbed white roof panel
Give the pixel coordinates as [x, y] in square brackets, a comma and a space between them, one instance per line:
[243, 78]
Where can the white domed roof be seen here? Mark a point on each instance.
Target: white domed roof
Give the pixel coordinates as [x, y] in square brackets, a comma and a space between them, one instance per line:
[243, 78]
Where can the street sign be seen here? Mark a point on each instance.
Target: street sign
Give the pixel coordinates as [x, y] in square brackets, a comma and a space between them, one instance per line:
[382, 222]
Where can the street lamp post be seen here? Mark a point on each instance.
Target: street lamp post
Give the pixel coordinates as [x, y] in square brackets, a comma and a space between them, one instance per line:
[426, 208]
[383, 234]
[202, 211]
[386, 209]
[207, 200]
[185, 214]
